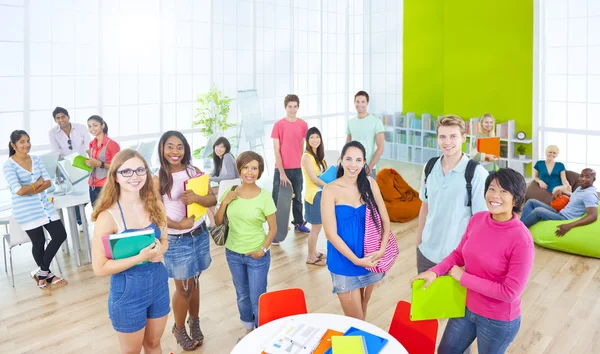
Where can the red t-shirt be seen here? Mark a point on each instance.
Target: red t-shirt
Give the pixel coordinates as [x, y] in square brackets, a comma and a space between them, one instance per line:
[111, 151]
[291, 136]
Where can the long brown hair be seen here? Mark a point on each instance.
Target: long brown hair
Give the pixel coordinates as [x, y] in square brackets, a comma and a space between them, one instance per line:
[112, 190]
[164, 174]
[320, 155]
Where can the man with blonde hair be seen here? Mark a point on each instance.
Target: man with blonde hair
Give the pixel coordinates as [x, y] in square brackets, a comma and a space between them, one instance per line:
[452, 190]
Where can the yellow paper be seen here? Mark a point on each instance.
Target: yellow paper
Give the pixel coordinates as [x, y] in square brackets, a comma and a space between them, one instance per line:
[348, 345]
[198, 185]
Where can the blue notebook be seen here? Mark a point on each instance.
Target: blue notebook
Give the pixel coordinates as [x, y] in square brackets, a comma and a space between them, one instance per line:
[329, 175]
[373, 343]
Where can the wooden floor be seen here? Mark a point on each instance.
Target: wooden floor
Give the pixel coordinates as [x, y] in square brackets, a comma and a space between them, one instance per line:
[561, 304]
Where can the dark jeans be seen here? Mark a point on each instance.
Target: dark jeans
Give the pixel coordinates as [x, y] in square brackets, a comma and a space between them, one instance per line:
[94, 192]
[295, 176]
[43, 257]
[493, 336]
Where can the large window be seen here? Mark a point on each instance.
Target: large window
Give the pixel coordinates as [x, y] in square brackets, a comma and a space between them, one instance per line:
[140, 63]
[569, 81]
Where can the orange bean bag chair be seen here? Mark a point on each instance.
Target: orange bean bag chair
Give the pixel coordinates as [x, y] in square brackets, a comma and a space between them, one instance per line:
[401, 201]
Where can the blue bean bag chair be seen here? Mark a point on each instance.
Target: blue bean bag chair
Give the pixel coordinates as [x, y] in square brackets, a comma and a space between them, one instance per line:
[581, 240]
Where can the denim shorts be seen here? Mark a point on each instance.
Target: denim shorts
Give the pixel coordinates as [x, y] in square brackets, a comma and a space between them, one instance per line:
[312, 212]
[187, 256]
[137, 294]
[345, 283]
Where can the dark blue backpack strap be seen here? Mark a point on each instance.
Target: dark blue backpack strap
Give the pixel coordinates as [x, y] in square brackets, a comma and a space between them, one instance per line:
[469, 174]
[428, 169]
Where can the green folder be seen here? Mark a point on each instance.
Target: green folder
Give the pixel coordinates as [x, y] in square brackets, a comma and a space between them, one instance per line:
[348, 345]
[128, 244]
[79, 162]
[443, 298]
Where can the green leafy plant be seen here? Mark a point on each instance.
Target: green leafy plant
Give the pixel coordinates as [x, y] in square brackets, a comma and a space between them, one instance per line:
[521, 150]
[212, 114]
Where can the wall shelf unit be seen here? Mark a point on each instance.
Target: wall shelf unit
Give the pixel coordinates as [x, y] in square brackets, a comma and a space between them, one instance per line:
[412, 140]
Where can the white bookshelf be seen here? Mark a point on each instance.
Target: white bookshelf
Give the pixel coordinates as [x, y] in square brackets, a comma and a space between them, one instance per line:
[508, 137]
[413, 140]
[408, 139]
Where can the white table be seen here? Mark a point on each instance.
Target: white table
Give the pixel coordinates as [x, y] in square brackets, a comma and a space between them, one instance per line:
[78, 197]
[257, 340]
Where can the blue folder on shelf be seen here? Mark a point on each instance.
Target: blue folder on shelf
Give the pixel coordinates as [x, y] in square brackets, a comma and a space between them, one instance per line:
[374, 343]
[329, 175]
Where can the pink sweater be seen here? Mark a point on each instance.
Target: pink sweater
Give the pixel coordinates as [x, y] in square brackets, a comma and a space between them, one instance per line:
[498, 257]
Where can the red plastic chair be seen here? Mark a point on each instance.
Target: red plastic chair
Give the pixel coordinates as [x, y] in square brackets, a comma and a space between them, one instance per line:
[280, 303]
[418, 337]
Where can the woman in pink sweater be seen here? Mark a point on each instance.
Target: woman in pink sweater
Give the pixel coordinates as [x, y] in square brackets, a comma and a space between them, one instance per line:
[496, 252]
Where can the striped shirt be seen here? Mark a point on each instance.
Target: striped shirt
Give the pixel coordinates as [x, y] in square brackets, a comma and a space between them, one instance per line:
[34, 210]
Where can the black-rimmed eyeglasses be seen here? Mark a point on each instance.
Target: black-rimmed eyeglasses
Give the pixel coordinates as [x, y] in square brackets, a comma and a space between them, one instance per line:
[128, 172]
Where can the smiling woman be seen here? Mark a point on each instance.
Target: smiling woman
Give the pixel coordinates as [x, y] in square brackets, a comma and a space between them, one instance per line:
[247, 246]
[102, 151]
[495, 249]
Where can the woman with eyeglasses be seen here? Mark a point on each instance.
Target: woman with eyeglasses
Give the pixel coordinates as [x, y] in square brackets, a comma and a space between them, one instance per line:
[102, 151]
[28, 180]
[138, 300]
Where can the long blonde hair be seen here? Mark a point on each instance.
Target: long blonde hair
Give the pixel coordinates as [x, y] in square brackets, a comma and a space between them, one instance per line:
[112, 190]
[492, 132]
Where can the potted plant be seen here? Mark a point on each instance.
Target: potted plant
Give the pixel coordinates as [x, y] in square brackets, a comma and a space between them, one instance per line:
[212, 116]
[521, 152]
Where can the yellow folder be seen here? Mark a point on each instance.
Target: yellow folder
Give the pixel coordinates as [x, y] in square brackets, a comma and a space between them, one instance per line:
[443, 298]
[199, 185]
[348, 345]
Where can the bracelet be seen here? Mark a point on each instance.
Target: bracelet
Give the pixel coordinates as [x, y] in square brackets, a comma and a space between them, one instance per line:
[33, 187]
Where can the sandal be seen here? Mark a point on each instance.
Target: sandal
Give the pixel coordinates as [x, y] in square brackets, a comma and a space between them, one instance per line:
[195, 331]
[55, 280]
[184, 341]
[318, 262]
[41, 280]
[321, 255]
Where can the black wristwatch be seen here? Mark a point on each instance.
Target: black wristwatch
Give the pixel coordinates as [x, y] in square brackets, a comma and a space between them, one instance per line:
[102, 164]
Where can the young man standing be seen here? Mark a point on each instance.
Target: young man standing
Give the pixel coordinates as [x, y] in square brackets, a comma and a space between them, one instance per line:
[445, 213]
[367, 130]
[288, 141]
[67, 138]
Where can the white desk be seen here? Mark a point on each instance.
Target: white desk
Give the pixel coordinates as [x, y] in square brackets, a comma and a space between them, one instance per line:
[76, 199]
[257, 340]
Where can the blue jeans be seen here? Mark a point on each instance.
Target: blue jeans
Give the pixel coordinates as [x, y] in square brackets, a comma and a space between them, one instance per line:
[250, 280]
[295, 176]
[493, 336]
[535, 211]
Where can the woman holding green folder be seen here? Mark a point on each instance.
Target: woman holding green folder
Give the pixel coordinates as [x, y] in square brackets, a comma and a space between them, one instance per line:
[138, 301]
[102, 151]
[496, 252]
[189, 246]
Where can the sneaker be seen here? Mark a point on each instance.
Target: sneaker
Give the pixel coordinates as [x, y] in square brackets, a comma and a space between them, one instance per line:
[275, 243]
[302, 228]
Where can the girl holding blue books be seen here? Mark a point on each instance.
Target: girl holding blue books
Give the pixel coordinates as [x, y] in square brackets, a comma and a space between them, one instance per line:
[493, 261]
[189, 246]
[344, 206]
[138, 300]
[313, 165]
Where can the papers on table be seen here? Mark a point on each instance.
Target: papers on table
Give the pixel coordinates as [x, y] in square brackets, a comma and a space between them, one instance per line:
[296, 337]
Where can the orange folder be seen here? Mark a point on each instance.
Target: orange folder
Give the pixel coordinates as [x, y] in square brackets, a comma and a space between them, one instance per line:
[489, 146]
[326, 341]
